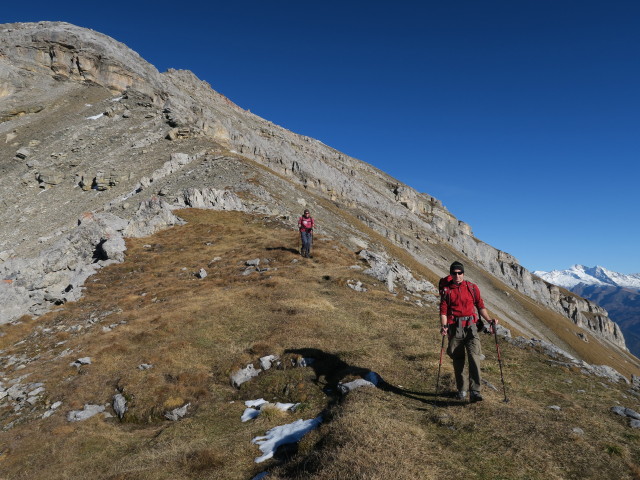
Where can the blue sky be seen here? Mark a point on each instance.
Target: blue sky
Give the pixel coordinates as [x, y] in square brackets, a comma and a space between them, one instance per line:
[521, 116]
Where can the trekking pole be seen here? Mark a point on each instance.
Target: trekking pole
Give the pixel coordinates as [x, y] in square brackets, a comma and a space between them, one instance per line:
[439, 367]
[495, 334]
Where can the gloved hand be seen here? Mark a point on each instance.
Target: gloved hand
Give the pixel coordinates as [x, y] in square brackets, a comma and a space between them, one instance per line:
[484, 326]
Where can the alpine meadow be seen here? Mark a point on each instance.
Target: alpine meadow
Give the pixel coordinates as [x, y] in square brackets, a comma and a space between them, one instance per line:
[157, 320]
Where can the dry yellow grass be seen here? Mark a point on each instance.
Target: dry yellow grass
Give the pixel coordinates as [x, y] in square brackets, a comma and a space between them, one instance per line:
[195, 332]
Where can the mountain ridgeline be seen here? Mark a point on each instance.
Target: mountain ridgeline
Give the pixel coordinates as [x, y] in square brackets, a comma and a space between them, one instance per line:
[618, 293]
[155, 313]
[89, 126]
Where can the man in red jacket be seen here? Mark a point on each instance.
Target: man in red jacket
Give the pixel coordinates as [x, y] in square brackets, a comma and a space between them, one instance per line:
[459, 300]
[306, 224]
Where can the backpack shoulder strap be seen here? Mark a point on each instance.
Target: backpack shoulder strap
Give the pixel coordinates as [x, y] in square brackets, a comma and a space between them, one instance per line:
[472, 290]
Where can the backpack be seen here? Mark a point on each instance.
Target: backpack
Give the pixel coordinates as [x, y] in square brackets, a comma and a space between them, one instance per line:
[443, 287]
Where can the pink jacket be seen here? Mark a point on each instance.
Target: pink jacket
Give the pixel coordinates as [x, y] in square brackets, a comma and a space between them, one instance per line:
[306, 224]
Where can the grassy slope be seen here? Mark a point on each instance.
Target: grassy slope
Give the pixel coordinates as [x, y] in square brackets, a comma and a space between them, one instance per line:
[197, 331]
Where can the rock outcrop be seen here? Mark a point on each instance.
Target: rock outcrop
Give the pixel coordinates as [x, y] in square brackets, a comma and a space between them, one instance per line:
[114, 133]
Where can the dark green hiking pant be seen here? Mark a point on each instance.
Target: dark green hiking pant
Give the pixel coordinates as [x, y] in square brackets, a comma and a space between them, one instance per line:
[465, 342]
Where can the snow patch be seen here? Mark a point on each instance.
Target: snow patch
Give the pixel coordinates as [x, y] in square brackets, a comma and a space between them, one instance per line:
[254, 408]
[282, 435]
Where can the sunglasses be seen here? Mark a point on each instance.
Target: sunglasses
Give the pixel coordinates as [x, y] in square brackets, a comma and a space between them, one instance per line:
[457, 273]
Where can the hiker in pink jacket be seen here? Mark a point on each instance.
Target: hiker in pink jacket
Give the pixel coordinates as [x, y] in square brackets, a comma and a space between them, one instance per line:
[306, 224]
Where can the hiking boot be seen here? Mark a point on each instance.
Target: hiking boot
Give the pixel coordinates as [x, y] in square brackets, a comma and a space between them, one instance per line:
[461, 395]
[475, 397]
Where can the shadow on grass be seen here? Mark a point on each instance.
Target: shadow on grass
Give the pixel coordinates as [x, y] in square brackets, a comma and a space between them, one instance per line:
[285, 249]
[334, 370]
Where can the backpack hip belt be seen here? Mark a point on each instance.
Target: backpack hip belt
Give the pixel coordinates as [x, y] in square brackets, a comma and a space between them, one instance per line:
[463, 321]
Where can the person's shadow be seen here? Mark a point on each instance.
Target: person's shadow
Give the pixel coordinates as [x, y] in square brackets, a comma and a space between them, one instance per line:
[284, 249]
[330, 369]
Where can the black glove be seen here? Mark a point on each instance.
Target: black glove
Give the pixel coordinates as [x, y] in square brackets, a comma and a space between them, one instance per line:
[483, 327]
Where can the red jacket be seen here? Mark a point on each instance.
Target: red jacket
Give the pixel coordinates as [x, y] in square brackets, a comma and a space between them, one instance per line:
[460, 300]
[306, 224]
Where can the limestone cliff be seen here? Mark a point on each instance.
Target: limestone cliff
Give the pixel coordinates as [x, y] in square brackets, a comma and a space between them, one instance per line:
[90, 125]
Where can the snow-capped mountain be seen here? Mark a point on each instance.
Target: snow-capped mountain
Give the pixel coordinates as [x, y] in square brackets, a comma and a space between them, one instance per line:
[617, 293]
[597, 275]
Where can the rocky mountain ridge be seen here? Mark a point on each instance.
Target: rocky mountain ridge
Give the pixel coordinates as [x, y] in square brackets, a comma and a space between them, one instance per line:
[590, 276]
[90, 126]
[618, 293]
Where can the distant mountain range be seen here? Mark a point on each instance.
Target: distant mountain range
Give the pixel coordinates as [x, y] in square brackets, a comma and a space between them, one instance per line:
[579, 274]
[618, 293]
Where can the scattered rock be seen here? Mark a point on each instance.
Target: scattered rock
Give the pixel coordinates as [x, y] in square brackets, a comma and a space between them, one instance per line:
[81, 361]
[52, 410]
[268, 361]
[551, 350]
[144, 366]
[356, 285]
[112, 247]
[119, 405]
[23, 153]
[393, 272]
[202, 273]
[371, 379]
[244, 375]
[36, 392]
[6, 254]
[177, 413]
[502, 331]
[608, 372]
[179, 134]
[87, 412]
[253, 263]
[628, 413]
[50, 177]
[350, 386]
[153, 215]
